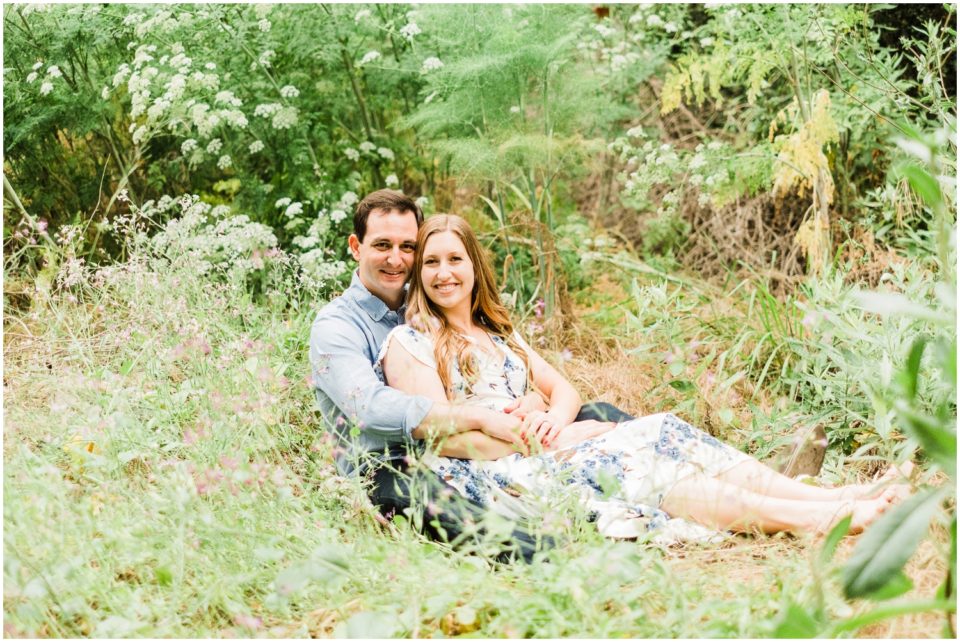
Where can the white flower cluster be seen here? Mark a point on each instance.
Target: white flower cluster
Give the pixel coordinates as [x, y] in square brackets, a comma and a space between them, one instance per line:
[320, 272]
[256, 146]
[283, 117]
[369, 57]
[385, 153]
[410, 30]
[391, 180]
[351, 154]
[431, 64]
[289, 91]
[226, 245]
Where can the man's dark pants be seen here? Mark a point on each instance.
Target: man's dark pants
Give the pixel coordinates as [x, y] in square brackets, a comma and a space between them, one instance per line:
[443, 513]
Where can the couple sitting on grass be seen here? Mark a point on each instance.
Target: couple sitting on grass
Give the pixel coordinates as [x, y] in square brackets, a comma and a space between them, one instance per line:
[429, 390]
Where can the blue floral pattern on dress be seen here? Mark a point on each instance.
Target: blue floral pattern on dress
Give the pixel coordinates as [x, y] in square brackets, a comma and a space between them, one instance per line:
[645, 456]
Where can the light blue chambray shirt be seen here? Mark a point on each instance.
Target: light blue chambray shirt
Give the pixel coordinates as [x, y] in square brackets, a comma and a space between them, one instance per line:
[367, 417]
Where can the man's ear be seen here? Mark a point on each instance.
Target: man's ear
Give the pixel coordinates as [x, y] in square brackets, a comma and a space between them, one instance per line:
[354, 244]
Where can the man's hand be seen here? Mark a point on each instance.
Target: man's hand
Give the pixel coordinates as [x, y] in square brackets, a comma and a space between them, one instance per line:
[578, 432]
[507, 428]
[530, 402]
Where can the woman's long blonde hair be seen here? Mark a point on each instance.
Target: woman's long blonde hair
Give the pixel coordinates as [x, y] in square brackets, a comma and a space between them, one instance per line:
[486, 307]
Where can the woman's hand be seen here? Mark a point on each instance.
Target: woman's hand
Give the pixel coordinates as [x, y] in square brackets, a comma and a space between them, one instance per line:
[522, 406]
[578, 432]
[541, 427]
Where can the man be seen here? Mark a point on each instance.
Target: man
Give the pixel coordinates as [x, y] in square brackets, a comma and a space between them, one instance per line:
[377, 427]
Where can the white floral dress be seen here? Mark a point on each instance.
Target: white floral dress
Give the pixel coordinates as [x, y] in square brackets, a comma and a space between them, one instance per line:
[621, 477]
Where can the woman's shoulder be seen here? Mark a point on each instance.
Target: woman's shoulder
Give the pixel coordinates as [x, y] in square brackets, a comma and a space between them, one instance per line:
[417, 343]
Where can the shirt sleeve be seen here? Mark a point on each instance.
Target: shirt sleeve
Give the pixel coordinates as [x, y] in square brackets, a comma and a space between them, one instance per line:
[343, 372]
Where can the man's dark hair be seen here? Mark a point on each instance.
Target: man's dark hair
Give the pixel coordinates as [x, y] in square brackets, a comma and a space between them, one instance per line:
[383, 199]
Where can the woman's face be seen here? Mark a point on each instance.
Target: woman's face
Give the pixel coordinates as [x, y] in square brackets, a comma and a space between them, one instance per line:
[447, 272]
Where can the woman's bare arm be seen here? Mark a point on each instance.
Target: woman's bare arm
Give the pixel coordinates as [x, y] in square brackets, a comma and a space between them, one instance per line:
[467, 432]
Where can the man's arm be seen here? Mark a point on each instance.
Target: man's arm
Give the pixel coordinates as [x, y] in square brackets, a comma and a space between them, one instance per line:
[344, 373]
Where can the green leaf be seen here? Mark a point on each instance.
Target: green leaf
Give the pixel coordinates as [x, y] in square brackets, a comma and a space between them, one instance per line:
[889, 611]
[682, 385]
[888, 544]
[836, 534]
[923, 184]
[910, 374]
[676, 368]
[939, 442]
[895, 587]
[796, 623]
[163, 575]
[726, 415]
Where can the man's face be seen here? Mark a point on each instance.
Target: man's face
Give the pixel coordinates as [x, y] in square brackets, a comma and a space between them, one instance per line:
[386, 253]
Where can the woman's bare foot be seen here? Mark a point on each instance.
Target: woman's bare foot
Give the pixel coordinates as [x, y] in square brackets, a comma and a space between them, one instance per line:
[890, 486]
[863, 513]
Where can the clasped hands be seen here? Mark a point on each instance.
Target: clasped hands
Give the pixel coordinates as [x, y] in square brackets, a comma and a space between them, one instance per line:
[532, 427]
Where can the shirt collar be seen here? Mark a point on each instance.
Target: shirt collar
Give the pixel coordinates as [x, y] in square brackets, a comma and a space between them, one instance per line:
[369, 302]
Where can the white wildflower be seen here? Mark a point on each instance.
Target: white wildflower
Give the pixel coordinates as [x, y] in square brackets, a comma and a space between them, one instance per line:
[391, 180]
[210, 66]
[670, 27]
[214, 146]
[695, 179]
[367, 146]
[337, 215]
[385, 153]
[636, 17]
[618, 62]
[227, 98]
[410, 30]
[224, 161]
[31, 76]
[256, 146]
[697, 161]
[349, 198]
[289, 91]
[267, 110]
[293, 209]
[604, 30]
[140, 134]
[286, 118]
[265, 58]
[369, 57]
[706, 42]
[37, 65]
[653, 20]
[635, 132]
[188, 146]
[46, 88]
[352, 154]
[431, 64]
[515, 109]
[264, 25]
[54, 71]
[714, 145]
[282, 202]
[363, 13]
[105, 93]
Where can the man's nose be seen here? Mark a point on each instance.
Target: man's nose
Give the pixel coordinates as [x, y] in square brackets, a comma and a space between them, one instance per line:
[394, 256]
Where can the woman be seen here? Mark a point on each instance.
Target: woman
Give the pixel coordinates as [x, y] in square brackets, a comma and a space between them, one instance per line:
[651, 472]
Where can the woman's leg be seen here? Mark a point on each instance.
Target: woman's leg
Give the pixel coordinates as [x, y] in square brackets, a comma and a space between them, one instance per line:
[761, 479]
[719, 504]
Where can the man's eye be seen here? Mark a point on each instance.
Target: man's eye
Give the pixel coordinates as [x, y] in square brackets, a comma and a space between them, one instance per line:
[383, 247]
[408, 248]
